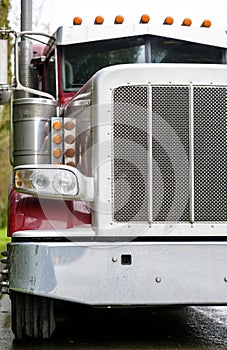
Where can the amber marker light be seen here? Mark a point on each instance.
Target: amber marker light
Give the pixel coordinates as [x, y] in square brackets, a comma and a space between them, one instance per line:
[119, 19]
[57, 125]
[69, 139]
[168, 20]
[99, 20]
[145, 19]
[57, 139]
[77, 21]
[71, 164]
[206, 23]
[187, 22]
[57, 152]
[69, 125]
[19, 183]
[18, 175]
[70, 152]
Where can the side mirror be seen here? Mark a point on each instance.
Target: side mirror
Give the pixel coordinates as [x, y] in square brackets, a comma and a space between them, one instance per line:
[5, 93]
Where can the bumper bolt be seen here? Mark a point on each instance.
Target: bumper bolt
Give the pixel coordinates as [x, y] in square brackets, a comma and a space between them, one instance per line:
[158, 279]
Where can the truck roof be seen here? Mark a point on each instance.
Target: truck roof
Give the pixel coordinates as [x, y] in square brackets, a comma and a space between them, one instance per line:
[80, 34]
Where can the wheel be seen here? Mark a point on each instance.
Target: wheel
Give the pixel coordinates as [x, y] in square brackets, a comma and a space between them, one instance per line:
[32, 316]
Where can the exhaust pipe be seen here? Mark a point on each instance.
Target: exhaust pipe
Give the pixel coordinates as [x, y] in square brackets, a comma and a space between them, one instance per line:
[26, 15]
[25, 51]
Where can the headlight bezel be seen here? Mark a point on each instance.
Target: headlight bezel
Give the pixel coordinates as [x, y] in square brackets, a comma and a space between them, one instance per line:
[27, 178]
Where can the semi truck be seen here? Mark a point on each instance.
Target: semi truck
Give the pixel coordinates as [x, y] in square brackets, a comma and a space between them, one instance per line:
[118, 194]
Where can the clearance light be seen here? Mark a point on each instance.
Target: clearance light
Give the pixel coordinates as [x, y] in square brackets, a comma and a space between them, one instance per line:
[70, 152]
[57, 152]
[71, 164]
[168, 20]
[119, 19]
[69, 125]
[187, 22]
[145, 19]
[69, 139]
[206, 23]
[53, 181]
[77, 21]
[99, 20]
[57, 139]
[57, 125]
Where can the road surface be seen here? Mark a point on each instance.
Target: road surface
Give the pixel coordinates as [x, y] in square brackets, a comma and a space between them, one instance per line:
[144, 328]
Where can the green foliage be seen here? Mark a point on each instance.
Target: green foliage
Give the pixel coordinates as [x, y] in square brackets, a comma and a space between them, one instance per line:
[3, 239]
[5, 171]
[4, 121]
[4, 22]
[5, 167]
[3, 213]
[4, 10]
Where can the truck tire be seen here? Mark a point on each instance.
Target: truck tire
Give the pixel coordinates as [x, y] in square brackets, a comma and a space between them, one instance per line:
[32, 316]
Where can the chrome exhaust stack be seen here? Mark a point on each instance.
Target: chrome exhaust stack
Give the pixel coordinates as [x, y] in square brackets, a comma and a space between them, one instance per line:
[25, 51]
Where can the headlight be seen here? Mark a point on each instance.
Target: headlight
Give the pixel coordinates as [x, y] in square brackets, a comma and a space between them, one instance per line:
[46, 182]
[64, 182]
[39, 181]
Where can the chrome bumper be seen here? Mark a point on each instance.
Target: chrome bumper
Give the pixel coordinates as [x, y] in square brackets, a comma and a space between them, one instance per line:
[122, 273]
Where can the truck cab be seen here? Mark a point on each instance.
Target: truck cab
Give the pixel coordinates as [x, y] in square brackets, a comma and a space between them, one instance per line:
[118, 195]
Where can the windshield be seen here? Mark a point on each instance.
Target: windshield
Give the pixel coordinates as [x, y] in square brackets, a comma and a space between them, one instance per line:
[81, 61]
[164, 50]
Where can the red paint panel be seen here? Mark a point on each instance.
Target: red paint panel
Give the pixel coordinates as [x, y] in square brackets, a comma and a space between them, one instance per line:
[32, 213]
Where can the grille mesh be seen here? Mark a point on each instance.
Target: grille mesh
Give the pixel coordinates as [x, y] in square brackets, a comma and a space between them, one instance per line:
[170, 146]
[130, 188]
[210, 153]
[169, 150]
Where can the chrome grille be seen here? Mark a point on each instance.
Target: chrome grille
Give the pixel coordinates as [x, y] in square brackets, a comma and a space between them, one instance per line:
[210, 153]
[130, 144]
[170, 149]
[181, 174]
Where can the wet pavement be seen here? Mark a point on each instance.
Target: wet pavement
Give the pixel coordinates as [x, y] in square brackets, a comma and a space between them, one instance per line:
[144, 328]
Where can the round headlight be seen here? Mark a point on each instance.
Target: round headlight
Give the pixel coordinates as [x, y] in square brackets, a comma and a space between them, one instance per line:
[65, 183]
[39, 181]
